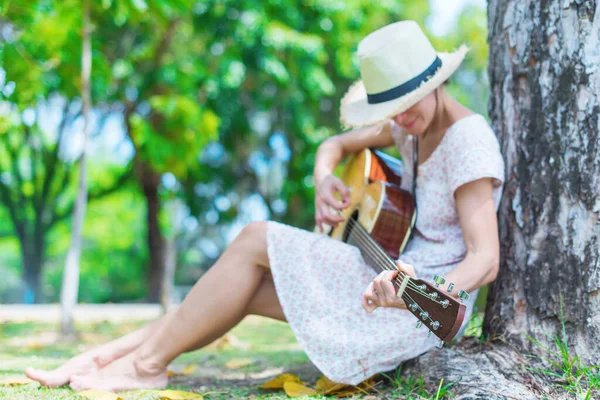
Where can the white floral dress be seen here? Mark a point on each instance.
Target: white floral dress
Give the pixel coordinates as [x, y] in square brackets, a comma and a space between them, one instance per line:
[320, 281]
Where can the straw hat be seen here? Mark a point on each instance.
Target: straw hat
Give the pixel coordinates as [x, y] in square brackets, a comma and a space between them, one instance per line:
[398, 67]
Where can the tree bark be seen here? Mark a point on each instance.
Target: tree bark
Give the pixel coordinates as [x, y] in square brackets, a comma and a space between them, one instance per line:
[168, 276]
[544, 106]
[150, 181]
[478, 371]
[32, 261]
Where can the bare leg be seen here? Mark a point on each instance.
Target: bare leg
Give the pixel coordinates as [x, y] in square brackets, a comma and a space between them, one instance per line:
[96, 358]
[218, 301]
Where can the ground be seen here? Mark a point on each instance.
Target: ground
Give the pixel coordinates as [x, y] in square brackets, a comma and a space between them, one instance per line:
[256, 350]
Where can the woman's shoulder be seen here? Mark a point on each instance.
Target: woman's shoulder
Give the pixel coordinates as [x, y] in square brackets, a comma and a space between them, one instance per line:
[472, 132]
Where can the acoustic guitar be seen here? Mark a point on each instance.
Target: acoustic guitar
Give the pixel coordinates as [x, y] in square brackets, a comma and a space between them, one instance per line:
[379, 221]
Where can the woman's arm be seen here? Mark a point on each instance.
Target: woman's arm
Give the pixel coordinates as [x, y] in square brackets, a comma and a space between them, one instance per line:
[478, 220]
[477, 215]
[330, 153]
[333, 150]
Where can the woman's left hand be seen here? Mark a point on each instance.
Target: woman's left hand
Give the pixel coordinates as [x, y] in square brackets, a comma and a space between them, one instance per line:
[382, 293]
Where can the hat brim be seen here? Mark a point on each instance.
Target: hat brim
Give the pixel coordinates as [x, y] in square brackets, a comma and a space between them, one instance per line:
[355, 111]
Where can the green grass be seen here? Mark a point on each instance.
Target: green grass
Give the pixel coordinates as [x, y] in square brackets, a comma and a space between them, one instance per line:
[269, 344]
[565, 370]
[414, 388]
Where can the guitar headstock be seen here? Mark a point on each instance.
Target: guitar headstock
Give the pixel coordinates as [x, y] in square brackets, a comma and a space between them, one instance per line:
[441, 313]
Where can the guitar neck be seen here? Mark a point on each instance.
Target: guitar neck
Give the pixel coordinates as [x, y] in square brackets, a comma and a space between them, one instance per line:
[437, 310]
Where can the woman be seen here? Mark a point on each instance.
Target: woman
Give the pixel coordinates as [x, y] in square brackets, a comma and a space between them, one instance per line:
[316, 283]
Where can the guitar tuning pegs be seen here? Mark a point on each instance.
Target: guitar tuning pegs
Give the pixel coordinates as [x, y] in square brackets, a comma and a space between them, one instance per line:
[440, 344]
[439, 280]
[418, 324]
[462, 295]
[450, 287]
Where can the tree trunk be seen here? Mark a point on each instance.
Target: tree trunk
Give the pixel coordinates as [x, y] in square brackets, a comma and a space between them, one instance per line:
[544, 106]
[32, 260]
[168, 276]
[70, 282]
[150, 181]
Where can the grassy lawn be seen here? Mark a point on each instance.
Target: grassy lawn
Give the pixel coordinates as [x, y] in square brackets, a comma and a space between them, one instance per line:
[256, 351]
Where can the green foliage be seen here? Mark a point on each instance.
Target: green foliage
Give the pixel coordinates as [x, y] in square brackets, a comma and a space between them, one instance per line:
[114, 251]
[183, 131]
[232, 98]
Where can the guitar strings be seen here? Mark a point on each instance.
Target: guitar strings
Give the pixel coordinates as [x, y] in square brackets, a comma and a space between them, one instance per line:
[381, 259]
[378, 253]
[374, 245]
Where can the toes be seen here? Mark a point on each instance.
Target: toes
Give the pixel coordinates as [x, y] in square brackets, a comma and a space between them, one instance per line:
[31, 373]
[36, 375]
[50, 379]
[76, 383]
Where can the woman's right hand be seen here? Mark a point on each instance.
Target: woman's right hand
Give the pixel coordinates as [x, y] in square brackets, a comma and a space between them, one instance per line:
[325, 201]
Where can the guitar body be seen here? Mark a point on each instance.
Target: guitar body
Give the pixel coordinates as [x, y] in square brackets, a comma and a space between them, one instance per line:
[379, 221]
[387, 212]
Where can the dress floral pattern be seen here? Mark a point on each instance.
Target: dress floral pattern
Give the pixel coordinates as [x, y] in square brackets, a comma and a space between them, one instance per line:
[320, 281]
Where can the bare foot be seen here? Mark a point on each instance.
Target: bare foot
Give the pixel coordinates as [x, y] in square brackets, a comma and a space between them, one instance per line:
[127, 373]
[82, 364]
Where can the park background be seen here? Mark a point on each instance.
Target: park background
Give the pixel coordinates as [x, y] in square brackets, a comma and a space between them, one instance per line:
[198, 117]
[204, 116]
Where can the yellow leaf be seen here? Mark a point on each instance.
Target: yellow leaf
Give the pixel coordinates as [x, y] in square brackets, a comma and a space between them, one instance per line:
[227, 341]
[99, 395]
[294, 389]
[178, 371]
[277, 382]
[235, 363]
[34, 346]
[15, 381]
[327, 386]
[189, 369]
[178, 395]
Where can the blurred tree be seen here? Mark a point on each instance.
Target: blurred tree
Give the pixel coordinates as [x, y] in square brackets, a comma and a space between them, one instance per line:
[273, 71]
[70, 283]
[142, 63]
[36, 159]
[36, 187]
[152, 65]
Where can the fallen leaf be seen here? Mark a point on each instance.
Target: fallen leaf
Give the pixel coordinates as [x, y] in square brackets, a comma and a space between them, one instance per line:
[277, 382]
[174, 371]
[327, 386]
[294, 389]
[178, 395]
[99, 395]
[15, 381]
[189, 369]
[35, 346]
[227, 341]
[235, 363]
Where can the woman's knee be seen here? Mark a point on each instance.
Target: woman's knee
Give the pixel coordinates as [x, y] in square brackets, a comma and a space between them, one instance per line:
[253, 232]
[253, 239]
